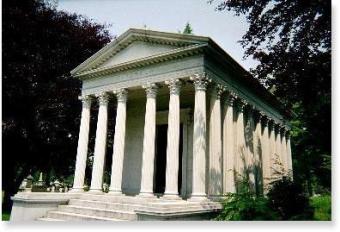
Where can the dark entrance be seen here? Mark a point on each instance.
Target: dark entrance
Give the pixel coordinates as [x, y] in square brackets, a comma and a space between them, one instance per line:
[160, 159]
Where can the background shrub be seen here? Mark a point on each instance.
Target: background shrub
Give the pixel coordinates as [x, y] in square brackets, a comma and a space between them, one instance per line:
[288, 199]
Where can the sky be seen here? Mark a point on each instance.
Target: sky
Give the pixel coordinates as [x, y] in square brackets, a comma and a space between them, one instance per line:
[167, 15]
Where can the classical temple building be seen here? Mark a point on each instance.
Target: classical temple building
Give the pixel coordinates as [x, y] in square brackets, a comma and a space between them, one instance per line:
[190, 125]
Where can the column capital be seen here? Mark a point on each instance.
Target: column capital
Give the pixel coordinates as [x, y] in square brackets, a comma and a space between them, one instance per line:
[282, 130]
[276, 127]
[271, 123]
[264, 118]
[121, 95]
[241, 104]
[151, 89]
[201, 81]
[256, 115]
[230, 98]
[103, 98]
[174, 85]
[86, 100]
[251, 109]
[218, 90]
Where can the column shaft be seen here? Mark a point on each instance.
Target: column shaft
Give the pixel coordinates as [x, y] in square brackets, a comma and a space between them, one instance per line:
[258, 156]
[199, 138]
[250, 159]
[279, 162]
[289, 157]
[119, 143]
[228, 146]
[241, 151]
[100, 146]
[271, 149]
[172, 150]
[149, 141]
[284, 152]
[215, 143]
[79, 174]
[265, 145]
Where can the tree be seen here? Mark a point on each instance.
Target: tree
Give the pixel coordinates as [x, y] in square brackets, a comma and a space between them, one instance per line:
[292, 41]
[188, 29]
[40, 107]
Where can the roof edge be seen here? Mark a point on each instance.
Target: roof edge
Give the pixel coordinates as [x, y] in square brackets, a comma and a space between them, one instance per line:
[134, 31]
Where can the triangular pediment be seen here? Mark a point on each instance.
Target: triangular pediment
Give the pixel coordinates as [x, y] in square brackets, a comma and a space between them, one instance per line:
[137, 50]
[136, 44]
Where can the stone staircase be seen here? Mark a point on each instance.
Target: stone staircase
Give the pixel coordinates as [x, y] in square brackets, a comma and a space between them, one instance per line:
[91, 207]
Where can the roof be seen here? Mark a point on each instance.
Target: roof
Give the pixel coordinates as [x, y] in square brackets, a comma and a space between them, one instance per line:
[187, 45]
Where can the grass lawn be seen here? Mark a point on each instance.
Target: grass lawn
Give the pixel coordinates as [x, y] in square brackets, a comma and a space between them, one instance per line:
[322, 207]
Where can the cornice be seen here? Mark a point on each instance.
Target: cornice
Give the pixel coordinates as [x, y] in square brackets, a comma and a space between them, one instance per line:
[131, 35]
[166, 56]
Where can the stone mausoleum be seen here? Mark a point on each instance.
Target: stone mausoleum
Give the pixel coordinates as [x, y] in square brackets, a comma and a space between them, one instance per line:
[190, 125]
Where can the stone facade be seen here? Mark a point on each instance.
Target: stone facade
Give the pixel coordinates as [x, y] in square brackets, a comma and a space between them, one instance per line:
[222, 125]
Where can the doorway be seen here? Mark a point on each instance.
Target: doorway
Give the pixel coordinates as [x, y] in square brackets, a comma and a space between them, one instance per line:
[160, 159]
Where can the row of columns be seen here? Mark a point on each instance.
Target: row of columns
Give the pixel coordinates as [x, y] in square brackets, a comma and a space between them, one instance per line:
[148, 155]
[254, 146]
[229, 152]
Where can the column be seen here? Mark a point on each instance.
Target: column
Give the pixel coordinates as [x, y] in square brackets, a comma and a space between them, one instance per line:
[279, 161]
[271, 148]
[265, 145]
[257, 148]
[149, 141]
[250, 159]
[100, 146]
[118, 143]
[215, 185]
[172, 150]
[284, 150]
[289, 156]
[79, 174]
[228, 144]
[241, 152]
[199, 138]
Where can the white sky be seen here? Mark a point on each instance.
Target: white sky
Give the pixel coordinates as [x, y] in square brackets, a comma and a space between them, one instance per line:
[169, 16]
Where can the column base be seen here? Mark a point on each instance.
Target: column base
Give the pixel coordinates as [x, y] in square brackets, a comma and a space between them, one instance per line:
[76, 190]
[216, 197]
[115, 193]
[198, 197]
[95, 191]
[171, 196]
[147, 194]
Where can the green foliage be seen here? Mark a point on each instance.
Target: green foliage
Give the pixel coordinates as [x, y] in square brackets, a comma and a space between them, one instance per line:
[288, 199]
[245, 205]
[292, 41]
[188, 29]
[285, 200]
[5, 216]
[40, 120]
[322, 207]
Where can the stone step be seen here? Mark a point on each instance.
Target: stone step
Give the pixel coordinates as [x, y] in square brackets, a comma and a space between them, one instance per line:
[126, 199]
[152, 202]
[50, 219]
[156, 207]
[66, 216]
[133, 207]
[105, 213]
[105, 205]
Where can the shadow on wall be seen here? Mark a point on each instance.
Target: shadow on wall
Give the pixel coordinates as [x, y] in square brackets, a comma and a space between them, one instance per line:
[258, 169]
[216, 181]
[246, 170]
[277, 169]
[200, 131]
